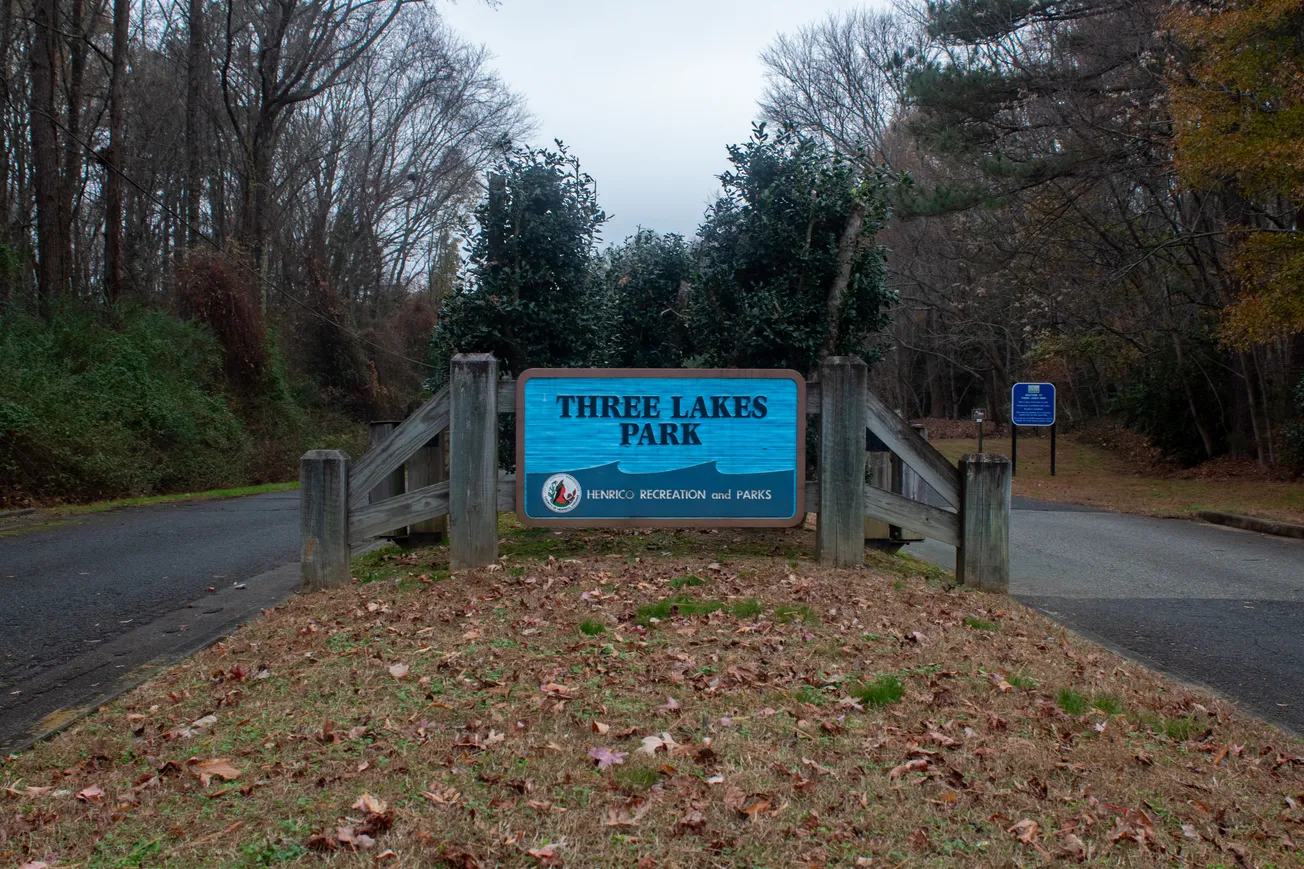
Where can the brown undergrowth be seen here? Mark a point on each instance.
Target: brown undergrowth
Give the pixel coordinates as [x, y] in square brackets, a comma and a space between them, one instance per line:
[654, 700]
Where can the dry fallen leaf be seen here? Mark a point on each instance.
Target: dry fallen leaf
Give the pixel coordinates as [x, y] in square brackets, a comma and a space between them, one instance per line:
[735, 799]
[606, 757]
[351, 837]
[398, 671]
[692, 820]
[1074, 847]
[196, 726]
[652, 744]
[917, 765]
[629, 814]
[442, 796]
[219, 767]
[671, 705]
[1025, 831]
[547, 855]
[90, 794]
[371, 805]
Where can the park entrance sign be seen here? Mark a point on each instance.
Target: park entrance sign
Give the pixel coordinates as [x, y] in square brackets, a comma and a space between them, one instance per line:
[669, 448]
[660, 447]
[1032, 404]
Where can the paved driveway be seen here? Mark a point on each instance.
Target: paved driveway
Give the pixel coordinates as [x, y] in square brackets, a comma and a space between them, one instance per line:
[1209, 604]
[84, 604]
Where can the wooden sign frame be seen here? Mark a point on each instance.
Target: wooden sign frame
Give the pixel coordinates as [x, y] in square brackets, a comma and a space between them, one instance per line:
[666, 374]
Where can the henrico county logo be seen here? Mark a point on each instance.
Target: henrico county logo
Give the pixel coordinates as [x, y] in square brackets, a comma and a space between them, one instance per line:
[561, 492]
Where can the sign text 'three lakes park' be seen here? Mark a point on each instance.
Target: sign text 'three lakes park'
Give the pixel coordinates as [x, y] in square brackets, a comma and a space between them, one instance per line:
[656, 447]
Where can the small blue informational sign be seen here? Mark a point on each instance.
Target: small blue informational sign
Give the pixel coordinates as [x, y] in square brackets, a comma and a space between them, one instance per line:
[1032, 404]
[653, 447]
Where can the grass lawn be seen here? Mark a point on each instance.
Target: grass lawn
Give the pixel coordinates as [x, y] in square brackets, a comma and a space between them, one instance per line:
[48, 516]
[1090, 475]
[665, 699]
[240, 492]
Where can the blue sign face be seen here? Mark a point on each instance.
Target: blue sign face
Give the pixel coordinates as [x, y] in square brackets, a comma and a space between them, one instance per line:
[1032, 404]
[660, 447]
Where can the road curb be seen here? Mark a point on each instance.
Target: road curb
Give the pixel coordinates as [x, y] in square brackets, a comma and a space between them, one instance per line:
[14, 514]
[1253, 523]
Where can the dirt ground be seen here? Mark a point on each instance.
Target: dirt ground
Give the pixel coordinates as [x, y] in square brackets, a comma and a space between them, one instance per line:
[682, 699]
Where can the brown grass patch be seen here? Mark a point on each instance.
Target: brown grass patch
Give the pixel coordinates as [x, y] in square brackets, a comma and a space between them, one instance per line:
[419, 719]
[1099, 477]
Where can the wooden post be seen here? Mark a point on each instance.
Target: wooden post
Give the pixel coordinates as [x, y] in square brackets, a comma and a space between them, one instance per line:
[473, 466]
[982, 560]
[426, 468]
[323, 520]
[396, 482]
[1052, 449]
[840, 529]
[1014, 447]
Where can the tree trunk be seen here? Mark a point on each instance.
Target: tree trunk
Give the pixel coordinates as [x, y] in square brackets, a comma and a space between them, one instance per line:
[1205, 438]
[8, 148]
[847, 247]
[114, 262]
[72, 149]
[258, 181]
[194, 80]
[50, 264]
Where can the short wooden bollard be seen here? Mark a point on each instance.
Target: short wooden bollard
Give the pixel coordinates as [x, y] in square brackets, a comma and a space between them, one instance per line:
[840, 528]
[323, 520]
[426, 468]
[473, 465]
[982, 560]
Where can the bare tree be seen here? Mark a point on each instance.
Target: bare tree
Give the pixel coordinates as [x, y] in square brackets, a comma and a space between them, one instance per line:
[842, 79]
[279, 54]
[52, 242]
[114, 262]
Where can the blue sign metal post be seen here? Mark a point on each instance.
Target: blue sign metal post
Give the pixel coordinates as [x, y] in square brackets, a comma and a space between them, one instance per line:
[1031, 404]
[654, 447]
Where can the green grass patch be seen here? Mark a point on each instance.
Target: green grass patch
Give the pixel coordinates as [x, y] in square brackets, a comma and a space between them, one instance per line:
[1072, 702]
[687, 581]
[789, 612]
[981, 625]
[1176, 729]
[681, 605]
[210, 495]
[592, 627]
[883, 691]
[635, 778]
[746, 609]
[1022, 681]
[1107, 703]
[810, 694]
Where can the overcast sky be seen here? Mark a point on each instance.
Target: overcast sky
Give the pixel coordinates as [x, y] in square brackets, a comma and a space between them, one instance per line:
[646, 93]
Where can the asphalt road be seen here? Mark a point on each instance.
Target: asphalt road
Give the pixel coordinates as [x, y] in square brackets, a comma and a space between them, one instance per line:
[86, 603]
[1208, 604]
[96, 604]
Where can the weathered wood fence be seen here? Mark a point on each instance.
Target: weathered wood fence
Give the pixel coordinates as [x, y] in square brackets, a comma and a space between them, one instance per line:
[336, 503]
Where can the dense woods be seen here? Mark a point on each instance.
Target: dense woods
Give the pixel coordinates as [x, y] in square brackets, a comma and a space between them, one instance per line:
[232, 230]
[287, 181]
[1106, 195]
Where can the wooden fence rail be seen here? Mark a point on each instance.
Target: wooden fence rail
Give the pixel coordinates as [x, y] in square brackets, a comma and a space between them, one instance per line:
[335, 508]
